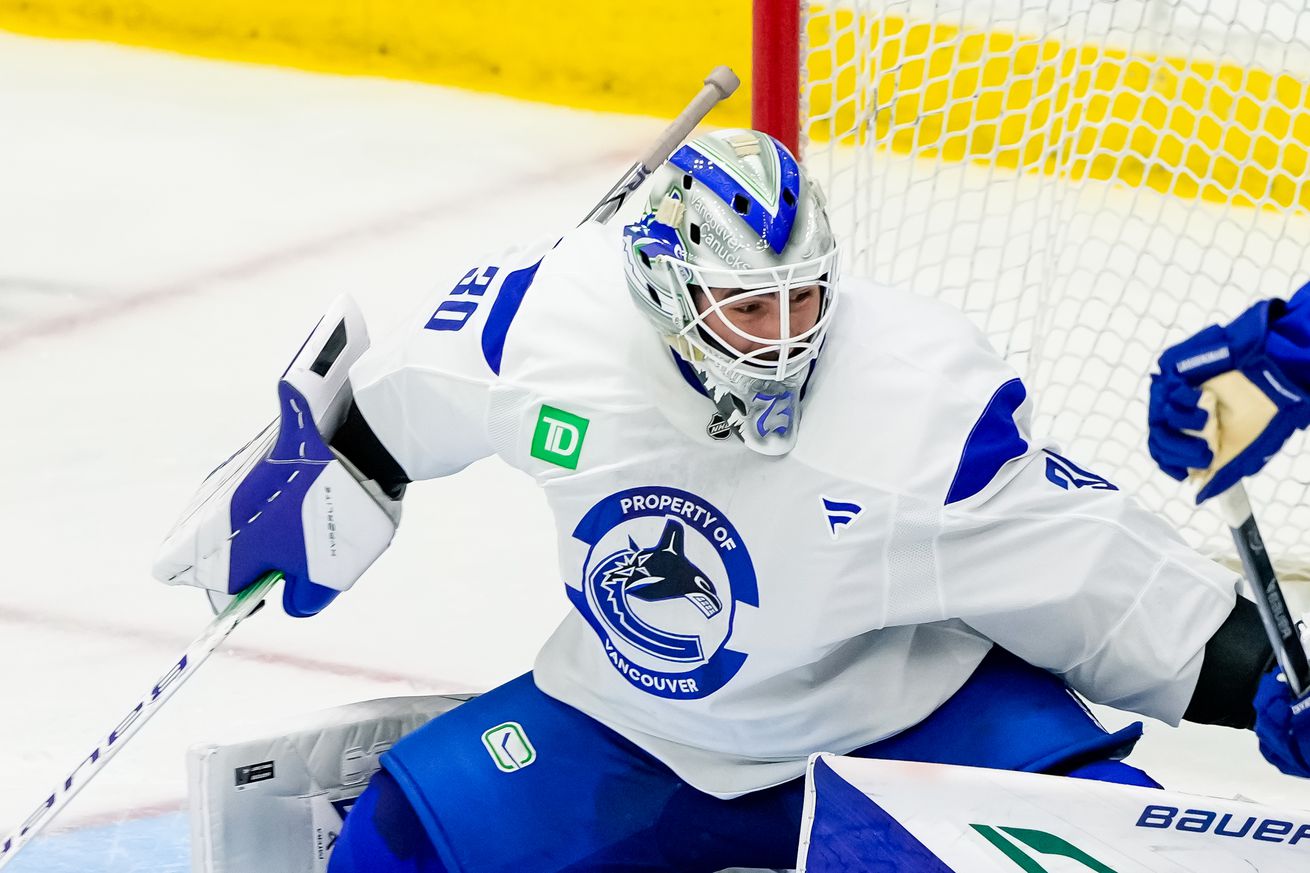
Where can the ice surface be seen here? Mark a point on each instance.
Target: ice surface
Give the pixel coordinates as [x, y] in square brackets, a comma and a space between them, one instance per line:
[157, 844]
[170, 229]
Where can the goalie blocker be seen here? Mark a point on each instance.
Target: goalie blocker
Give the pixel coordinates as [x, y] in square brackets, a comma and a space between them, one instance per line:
[275, 802]
[290, 500]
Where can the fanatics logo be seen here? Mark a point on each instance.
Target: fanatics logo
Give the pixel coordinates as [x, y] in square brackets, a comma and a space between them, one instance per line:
[509, 746]
[840, 514]
[558, 437]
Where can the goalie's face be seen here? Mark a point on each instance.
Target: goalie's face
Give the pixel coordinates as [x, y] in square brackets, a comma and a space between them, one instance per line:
[755, 324]
[763, 325]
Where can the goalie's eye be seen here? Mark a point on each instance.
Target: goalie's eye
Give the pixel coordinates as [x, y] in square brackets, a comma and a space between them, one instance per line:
[746, 307]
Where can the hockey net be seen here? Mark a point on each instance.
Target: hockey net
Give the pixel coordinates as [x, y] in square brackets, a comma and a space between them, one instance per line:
[1090, 180]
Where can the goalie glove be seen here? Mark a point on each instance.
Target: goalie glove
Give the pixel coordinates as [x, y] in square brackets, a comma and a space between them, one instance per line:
[1220, 407]
[286, 501]
[1283, 725]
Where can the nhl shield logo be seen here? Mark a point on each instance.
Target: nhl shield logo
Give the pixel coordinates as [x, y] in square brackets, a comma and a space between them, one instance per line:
[718, 428]
[661, 583]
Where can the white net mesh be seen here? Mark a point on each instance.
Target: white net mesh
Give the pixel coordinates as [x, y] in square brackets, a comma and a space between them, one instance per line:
[1091, 180]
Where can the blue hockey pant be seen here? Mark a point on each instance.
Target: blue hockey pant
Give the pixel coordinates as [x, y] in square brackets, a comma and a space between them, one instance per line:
[516, 781]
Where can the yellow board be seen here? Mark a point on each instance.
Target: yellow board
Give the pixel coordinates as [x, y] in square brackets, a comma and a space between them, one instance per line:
[1186, 128]
[594, 54]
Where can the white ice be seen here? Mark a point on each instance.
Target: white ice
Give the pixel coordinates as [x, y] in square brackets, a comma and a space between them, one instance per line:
[170, 228]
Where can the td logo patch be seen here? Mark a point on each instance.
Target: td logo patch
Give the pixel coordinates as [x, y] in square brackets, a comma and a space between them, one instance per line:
[662, 580]
[557, 438]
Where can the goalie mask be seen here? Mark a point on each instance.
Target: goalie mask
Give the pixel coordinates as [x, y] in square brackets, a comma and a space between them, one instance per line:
[735, 265]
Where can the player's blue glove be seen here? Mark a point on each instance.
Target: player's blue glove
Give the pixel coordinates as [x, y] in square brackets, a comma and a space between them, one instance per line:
[1283, 725]
[1256, 406]
[286, 501]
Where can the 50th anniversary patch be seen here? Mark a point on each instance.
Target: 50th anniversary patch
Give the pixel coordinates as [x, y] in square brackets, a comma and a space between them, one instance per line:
[664, 574]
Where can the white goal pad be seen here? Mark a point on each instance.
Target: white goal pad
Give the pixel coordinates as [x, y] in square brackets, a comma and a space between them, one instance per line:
[900, 817]
[274, 802]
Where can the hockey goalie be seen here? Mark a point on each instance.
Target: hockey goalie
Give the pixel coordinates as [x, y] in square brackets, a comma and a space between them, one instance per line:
[797, 513]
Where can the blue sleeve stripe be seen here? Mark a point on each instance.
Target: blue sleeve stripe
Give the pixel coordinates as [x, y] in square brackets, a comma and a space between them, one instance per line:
[503, 309]
[993, 442]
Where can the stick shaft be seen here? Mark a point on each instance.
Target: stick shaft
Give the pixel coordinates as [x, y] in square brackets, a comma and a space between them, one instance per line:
[89, 767]
[719, 85]
[1269, 600]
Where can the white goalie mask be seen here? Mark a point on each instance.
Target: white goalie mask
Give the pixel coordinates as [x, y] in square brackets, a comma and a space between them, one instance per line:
[736, 266]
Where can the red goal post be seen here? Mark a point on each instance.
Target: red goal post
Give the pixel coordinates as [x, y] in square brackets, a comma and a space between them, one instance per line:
[1089, 180]
[776, 70]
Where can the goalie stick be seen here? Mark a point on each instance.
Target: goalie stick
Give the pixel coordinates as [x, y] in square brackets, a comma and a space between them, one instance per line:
[1269, 600]
[1235, 508]
[719, 85]
[241, 608]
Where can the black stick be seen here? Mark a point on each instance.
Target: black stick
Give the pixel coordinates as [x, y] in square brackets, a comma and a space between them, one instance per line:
[1269, 600]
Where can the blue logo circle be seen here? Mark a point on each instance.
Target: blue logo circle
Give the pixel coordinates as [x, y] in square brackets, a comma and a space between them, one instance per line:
[664, 574]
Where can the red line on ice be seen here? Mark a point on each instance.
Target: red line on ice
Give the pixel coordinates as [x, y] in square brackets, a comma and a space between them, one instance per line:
[109, 817]
[65, 322]
[29, 619]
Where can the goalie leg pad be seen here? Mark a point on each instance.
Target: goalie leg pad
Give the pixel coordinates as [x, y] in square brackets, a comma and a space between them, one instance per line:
[275, 801]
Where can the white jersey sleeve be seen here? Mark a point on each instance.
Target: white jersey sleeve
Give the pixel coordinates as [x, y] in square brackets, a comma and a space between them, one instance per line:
[426, 391]
[1059, 566]
[996, 528]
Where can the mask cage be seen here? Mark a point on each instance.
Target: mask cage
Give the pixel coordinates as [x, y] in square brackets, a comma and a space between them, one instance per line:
[781, 358]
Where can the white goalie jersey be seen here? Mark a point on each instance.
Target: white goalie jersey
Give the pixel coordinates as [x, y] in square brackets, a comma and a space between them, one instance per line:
[733, 612]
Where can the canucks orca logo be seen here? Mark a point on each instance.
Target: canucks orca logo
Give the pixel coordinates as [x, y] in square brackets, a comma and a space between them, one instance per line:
[661, 572]
[662, 582]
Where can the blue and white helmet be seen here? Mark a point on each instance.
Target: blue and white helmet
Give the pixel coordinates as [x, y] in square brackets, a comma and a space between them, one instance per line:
[734, 225]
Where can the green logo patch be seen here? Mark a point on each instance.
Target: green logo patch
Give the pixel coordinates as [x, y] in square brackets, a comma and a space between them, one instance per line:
[509, 746]
[558, 437]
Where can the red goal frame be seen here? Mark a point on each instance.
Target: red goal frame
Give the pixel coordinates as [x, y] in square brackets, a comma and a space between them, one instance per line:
[776, 70]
